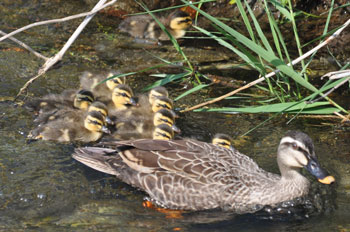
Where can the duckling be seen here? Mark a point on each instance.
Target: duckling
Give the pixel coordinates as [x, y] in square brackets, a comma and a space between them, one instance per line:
[75, 115]
[94, 83]
[67, 99]
[81, 103]
[147, 100]
[121, 98]
[163, 132]
[162, 102]
[62, 130]
[194, 175]
[145, 27]
[222, 140]
[136, 127]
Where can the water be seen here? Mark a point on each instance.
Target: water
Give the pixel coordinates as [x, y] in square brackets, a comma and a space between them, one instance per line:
[42, 187]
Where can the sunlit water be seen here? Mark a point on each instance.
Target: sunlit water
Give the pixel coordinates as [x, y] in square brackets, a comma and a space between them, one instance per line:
[42, 187]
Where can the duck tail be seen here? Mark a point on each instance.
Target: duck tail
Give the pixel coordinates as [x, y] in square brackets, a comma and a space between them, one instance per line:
[98, 158]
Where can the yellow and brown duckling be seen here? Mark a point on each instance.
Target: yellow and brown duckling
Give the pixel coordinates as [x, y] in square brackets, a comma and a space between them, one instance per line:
[69, 99]
[222, 140]
[98, 85]
[145, 27]
[61, 130]
[194, 175]
[122, 98]
[135, 127]
[146, 100]
[81, 103]
[163, 132]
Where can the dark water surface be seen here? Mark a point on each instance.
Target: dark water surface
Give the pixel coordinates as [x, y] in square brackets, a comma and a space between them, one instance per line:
[42, 187]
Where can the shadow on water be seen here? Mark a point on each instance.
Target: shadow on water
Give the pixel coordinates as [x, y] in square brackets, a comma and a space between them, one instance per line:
[42, 187]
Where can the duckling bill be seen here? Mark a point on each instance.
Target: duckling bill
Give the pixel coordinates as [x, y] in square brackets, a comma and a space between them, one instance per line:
[144, 26]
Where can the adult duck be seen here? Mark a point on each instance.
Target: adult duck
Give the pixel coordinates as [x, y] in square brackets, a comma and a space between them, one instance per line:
[194, 175]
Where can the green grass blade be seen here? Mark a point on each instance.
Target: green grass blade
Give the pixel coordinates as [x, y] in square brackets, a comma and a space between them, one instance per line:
[167, 78]
[194, 89]
[289, 107]
[268, 56]
[258, 29]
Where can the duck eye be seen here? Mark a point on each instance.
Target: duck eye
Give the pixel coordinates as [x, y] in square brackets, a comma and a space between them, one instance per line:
[165, 106]
[165, 120]
[295, 146]
[94, 122]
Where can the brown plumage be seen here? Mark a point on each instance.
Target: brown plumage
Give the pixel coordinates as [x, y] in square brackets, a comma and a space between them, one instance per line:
[194, 175]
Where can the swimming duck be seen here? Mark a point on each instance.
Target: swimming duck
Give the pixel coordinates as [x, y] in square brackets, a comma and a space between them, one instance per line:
[145, 27]
[222, 140]
[62, 130]
[67, 99]
[94, 83]
[194, 175]
[135, 127]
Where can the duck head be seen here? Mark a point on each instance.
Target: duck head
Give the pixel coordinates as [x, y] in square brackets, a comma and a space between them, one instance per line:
[296, 150]
[95, 122]
[179, 20]
[165, 116]
[156, 92]
[122, 97]
[163, 132]
[222, 140]
[102, 108]
[83, 99]
[114, 82]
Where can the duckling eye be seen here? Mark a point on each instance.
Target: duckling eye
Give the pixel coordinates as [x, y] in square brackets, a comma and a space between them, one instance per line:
[224, 144]
[295, 146]
[165, 120]
[94, 122]
[164, 135]
[164, 106]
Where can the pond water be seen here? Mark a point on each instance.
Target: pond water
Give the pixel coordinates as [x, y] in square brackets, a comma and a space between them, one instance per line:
[42, 187]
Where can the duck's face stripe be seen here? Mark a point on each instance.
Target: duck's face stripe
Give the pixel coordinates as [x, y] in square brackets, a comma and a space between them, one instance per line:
[162, 119]
[112, 83]
[180, 23]
[121, 96]
[222, 142]
[160, 104]
[161, 134]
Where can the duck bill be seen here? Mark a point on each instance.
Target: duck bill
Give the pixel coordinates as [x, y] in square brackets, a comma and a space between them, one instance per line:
[133, 102]
[109, 121]
[175, 129]
[316, 170]
[105, 129]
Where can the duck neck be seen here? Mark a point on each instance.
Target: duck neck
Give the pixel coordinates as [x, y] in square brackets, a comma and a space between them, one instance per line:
[292, 182]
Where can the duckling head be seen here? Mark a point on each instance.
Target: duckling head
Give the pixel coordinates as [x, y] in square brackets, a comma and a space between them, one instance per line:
[179, 20]
[83, 99]
[163, 132]
[296, 150]
[114, 82]
[122, 97]
[95, 122]
[157, 92]
[102, 108]
[222, 140]
[162, 102]
[165, 116]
